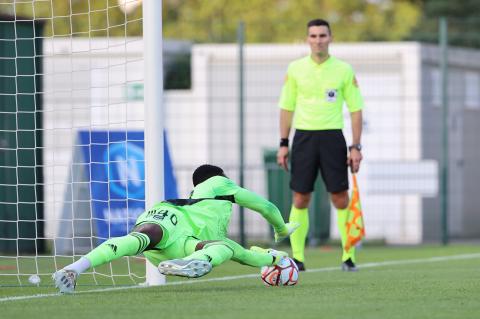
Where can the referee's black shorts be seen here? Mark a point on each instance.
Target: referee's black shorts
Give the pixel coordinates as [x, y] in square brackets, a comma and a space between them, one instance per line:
[312, 151]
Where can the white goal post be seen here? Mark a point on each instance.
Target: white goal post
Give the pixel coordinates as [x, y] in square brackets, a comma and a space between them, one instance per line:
[154, 118]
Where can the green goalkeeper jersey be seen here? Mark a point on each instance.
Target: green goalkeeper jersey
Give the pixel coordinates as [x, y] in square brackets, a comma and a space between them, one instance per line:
[207, 218]
[212, 217]
[206, 215]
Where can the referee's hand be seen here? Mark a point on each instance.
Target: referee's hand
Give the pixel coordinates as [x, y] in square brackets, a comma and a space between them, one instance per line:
[354, 159]
[282, 157]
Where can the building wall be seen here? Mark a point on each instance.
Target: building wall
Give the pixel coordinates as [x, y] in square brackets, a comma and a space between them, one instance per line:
[463, 118]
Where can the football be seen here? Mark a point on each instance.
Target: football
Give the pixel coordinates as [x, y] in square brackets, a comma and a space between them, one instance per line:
[285, 273]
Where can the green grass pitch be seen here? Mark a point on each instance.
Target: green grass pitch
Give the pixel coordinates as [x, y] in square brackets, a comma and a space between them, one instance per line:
[395, 282]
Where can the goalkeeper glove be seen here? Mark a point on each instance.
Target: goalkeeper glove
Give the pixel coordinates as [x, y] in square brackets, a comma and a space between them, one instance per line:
[286, 231]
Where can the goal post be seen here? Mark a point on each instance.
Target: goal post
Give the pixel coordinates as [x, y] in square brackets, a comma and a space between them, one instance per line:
[154, 119]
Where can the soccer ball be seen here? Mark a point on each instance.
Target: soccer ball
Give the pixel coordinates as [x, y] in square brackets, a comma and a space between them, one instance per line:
[285, 273]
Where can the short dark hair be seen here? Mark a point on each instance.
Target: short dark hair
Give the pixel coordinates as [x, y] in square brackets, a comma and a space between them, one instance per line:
[204, 172]
[317, 23]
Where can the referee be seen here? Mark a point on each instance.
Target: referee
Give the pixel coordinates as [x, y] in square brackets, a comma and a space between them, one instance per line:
[315, 90]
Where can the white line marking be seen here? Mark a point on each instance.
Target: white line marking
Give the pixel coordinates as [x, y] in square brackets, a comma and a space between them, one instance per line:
[194, 281]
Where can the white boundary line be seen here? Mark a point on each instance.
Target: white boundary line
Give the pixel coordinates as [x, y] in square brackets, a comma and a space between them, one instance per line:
[194, 281]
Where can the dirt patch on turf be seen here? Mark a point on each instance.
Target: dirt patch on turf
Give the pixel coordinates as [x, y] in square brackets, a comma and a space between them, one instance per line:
[5, 267]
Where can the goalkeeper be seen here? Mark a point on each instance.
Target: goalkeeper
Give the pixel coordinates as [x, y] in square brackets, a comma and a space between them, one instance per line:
[187, 237]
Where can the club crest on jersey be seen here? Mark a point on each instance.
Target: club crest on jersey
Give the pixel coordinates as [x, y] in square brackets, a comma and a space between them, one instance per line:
[355, 82]
[331, 95]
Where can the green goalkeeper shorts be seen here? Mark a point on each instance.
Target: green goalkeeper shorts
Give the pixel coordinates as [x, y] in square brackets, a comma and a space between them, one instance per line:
[178, 240]
[183, 247]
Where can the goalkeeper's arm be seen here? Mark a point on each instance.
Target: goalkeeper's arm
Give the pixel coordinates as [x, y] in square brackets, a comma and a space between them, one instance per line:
[267, 209]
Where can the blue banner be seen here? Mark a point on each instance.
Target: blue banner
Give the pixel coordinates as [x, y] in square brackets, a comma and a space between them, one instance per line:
[116, 171]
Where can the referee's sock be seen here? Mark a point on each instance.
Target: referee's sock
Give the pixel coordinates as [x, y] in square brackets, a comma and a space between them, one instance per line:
[298, 237]
[342, 215]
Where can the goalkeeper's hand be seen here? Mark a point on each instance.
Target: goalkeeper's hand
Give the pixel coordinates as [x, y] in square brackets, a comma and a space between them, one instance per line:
[286, 231]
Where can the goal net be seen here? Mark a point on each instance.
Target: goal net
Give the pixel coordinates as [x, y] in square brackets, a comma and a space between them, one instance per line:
[72, 135]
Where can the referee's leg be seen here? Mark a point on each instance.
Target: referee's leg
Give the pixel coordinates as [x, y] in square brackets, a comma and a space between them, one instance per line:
[335, 175]
[303, 174]
[340, 200]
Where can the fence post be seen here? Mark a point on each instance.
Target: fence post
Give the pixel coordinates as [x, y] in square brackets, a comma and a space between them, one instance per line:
[241, 124]
[443, 45]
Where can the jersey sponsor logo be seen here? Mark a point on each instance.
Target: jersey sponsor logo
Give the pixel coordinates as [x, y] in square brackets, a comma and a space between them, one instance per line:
[113, 247]
[355, 82]
[157, 214]
[331, 95]
[161, 215]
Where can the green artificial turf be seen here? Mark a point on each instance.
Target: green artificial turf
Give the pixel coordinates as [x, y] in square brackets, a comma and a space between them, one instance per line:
[395, 282]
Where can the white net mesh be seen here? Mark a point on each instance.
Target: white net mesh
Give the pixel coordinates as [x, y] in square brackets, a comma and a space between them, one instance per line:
[72, 135]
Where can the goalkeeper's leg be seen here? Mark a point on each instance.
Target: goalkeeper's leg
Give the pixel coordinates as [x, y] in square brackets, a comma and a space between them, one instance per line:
[255, 256]
[219, 251]
[208, 254]
[145, 236]
[298, 238]
[204, 255]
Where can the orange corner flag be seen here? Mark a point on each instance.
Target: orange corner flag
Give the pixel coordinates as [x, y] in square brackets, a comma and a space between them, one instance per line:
[355, 225]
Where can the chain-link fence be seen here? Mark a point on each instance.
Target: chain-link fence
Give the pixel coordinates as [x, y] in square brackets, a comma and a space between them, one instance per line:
[410, 193]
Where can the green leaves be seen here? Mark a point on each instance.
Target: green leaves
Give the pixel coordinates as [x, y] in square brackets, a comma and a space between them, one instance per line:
[204, 21]
[285, 21]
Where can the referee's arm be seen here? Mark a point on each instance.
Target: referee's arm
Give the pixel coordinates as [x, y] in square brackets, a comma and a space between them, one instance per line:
[285, 126]
[355, 156]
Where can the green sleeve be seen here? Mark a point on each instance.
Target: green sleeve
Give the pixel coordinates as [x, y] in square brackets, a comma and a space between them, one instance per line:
[288, 98]
[222, 186]
[351, 92]
[268, 210]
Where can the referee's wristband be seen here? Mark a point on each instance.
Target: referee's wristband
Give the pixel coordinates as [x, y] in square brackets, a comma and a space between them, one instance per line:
[284, 142]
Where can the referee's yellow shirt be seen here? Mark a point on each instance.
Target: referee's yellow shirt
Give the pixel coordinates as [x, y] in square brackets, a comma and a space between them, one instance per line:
[316, 93]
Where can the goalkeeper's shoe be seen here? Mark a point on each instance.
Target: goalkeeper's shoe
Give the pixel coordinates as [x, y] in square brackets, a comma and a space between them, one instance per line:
[287, 231]
[192, 268]
[349, 265]
[300, 264]
[65, 280]
[276, 254]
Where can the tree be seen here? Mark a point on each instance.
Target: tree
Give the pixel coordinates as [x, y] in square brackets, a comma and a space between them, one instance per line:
[266, 21]
[285, 20]
[463, 22]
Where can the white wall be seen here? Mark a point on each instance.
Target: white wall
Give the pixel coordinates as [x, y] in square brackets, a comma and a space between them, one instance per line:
[86, 89]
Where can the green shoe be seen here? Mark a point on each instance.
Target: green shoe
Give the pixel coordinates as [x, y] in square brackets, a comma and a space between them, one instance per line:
[276, 254]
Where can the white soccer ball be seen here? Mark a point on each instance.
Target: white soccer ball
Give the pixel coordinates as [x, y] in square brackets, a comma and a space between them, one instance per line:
[285, 273]
[34, 279]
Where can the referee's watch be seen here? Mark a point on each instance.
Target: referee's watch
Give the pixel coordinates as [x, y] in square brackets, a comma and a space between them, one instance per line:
[358, 147]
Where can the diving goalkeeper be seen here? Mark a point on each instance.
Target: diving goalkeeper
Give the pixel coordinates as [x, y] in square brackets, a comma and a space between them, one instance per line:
[187, 237]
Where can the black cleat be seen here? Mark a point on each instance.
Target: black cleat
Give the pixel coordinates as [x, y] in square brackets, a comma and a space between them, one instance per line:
[300, 265]
[348, 265]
